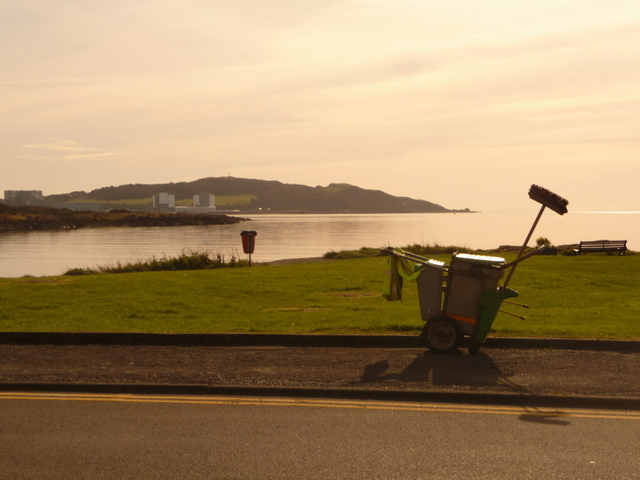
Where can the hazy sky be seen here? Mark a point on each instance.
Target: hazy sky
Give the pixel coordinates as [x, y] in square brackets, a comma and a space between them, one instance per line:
[463, 103]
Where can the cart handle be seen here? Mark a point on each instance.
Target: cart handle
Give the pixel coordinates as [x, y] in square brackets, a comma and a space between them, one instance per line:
[414, 258]
[523, 257]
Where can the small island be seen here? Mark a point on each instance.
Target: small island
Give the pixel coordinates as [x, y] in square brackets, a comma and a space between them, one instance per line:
[25, 218]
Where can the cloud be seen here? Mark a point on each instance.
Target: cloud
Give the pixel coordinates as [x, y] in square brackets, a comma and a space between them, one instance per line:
[65, 150]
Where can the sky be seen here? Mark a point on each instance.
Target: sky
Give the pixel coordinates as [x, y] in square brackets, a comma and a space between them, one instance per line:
[464, 103]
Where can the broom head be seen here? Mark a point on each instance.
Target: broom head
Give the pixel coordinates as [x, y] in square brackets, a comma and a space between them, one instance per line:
[548, 199]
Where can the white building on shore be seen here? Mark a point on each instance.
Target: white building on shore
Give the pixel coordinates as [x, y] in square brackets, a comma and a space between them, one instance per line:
[204, 200]
[164, 202]
[23, 197]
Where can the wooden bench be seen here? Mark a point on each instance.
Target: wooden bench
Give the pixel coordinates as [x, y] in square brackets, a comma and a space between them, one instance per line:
[596, 246]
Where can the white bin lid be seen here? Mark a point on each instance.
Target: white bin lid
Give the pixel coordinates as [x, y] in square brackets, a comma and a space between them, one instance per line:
[480, 259]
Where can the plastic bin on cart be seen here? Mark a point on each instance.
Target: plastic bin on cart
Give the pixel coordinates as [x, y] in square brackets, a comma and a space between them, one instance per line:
[469, 276]
[430, 288]
[471, 301]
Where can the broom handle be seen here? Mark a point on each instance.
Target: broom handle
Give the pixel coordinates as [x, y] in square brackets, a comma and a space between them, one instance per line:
[524, 245]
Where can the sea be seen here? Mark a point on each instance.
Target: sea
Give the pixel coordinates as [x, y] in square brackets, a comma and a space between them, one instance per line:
[280, 237]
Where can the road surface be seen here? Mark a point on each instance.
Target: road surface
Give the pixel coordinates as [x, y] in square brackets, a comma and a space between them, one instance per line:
[44, 436]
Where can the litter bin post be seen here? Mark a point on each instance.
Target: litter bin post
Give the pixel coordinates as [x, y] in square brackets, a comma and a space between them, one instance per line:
[248, 242]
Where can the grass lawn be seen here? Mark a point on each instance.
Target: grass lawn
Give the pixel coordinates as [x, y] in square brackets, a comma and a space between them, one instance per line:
[584, 297]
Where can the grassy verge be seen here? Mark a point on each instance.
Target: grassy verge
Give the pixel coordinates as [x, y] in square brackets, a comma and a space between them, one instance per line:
[134, 202]
[582, 297]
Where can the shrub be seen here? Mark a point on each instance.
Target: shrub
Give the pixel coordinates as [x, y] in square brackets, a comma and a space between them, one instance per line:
[540, 241]
[363, 252]
[191, 260]
[418, 249]
[78, 271]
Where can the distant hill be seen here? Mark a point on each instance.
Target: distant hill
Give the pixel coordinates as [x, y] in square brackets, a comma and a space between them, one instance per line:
[248, 195]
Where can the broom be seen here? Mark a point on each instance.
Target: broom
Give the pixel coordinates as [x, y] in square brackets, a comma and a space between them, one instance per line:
[547, 199]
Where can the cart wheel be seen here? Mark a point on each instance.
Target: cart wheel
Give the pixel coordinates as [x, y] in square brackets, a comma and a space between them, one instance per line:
[442, 334]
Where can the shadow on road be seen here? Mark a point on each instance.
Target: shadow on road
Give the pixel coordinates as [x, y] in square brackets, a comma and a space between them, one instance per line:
[462, 371]
[454, 369]
[536, 416]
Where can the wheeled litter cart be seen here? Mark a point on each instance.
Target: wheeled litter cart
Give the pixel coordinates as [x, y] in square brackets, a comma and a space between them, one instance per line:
[461, 299]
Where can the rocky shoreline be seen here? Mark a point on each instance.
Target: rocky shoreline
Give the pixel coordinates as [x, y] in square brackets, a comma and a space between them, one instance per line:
[42, 218]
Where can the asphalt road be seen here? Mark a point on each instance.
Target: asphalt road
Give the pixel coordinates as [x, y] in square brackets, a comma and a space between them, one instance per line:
[160, 437]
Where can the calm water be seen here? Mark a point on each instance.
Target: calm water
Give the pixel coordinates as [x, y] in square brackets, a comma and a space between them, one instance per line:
[298, 236]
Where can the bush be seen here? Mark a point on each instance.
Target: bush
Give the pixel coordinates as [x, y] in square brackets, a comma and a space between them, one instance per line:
[543, 241]
[186, 261]
[426, 249]
[78, 271]
[421, 250]
[364, 252]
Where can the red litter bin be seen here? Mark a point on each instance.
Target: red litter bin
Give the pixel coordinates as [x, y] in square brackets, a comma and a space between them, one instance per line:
[248, 242]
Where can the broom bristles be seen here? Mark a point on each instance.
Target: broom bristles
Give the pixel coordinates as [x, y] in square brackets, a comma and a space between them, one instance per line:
[548, 199]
